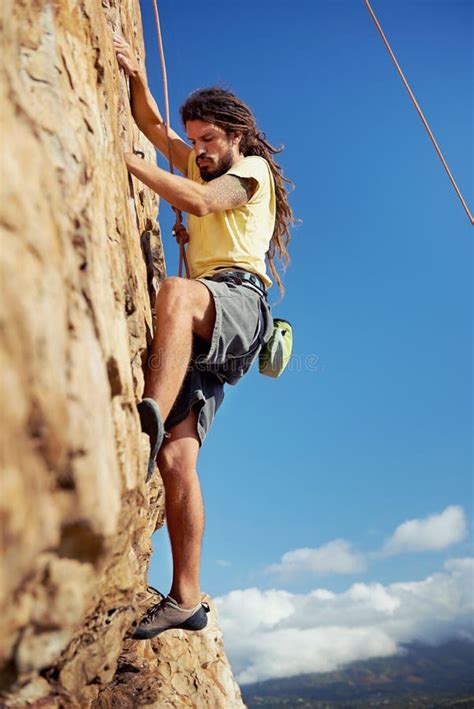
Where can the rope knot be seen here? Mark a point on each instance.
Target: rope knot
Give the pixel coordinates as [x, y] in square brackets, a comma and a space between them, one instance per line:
[181, 234]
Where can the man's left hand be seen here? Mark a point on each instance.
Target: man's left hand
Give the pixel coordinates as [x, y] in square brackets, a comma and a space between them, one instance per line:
[132, 160]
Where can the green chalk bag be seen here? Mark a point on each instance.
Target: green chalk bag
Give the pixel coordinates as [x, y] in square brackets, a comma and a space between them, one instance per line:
[275, 354]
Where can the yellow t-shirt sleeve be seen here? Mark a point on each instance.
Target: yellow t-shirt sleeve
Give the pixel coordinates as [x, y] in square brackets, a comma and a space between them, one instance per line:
[256, 168]
[193, 170]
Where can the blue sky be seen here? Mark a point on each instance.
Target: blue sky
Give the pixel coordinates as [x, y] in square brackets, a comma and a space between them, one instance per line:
[371, 426]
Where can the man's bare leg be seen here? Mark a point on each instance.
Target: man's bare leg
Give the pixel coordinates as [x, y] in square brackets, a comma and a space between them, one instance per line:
[184, 509]
[183, 306]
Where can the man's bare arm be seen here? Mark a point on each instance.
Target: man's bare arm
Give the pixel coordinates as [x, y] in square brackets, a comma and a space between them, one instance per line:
[226, 192]
[145, 110]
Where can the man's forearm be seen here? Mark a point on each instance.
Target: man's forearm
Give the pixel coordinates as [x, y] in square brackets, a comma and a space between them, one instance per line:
[144, 108]
[179, 191]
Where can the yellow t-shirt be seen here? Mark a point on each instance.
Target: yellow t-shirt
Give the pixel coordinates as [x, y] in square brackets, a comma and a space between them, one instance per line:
[237, 238]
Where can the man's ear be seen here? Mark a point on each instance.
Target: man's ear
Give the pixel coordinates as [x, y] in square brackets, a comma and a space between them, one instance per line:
[236, 138]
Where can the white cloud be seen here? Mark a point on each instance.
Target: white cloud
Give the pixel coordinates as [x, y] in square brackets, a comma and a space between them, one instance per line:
[276, 633]
[336, 557]
[427, 534]
[261, 609]
[222, 562]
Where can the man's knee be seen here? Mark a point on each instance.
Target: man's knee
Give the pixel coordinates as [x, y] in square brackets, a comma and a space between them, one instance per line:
[177, 461]
[172, 292]
[190, 301]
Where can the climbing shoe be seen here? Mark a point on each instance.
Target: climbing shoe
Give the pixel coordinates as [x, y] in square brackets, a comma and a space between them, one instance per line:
[152, 425]
[167, 614]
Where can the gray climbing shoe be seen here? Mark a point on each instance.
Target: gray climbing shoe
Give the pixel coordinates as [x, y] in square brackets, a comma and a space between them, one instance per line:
[167, 614]
[152, 425]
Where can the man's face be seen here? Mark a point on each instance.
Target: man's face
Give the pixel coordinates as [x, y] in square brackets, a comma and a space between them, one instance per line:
[215, 151]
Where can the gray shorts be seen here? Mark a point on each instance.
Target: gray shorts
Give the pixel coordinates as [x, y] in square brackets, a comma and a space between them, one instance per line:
[243, 323]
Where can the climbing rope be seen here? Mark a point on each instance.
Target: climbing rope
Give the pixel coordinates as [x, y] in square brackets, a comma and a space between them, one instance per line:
[420, 113]
[179, 230]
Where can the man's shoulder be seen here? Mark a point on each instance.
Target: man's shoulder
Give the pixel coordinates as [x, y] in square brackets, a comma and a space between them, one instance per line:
[254, 160]
[251, 166]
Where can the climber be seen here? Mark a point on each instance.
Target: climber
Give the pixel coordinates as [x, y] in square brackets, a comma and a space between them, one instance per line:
[209, 328]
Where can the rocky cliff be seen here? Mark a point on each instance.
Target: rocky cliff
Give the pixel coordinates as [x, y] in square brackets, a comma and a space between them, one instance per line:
[81, 261]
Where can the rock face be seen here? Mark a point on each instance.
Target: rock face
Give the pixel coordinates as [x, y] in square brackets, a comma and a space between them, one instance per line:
[81, 261]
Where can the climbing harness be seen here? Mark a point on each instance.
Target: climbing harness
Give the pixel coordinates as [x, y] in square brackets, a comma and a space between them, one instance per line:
[179, 230]
[420, 113]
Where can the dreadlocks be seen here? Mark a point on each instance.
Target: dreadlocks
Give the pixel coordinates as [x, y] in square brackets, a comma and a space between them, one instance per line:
[224, 109]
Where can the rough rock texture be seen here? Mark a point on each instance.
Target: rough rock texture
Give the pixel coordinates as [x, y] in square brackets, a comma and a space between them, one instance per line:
[80, 263]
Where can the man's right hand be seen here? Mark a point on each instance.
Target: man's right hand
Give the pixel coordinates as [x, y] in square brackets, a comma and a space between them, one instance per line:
[125, 56]
[144, 109]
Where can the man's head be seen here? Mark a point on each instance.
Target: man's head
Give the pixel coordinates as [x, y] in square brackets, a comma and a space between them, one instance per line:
[216, 151]
[219, 125]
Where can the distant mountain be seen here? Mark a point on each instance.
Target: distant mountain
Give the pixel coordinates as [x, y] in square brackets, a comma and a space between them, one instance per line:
[422, 676]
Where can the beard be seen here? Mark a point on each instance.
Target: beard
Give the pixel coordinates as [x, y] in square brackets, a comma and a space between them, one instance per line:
[210, 172]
